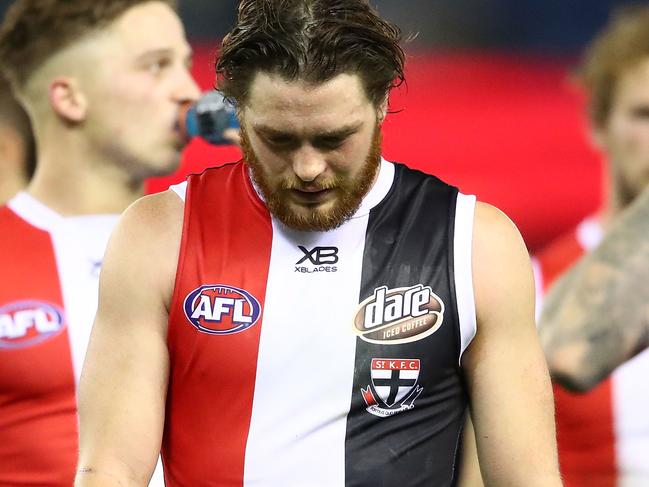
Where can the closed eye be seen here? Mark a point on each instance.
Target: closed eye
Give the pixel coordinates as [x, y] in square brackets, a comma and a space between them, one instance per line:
[329, 143]
[281, 141]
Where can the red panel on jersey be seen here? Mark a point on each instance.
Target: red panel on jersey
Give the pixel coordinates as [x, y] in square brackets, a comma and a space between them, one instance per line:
[38, 425]
[585, 433]
[214, 340]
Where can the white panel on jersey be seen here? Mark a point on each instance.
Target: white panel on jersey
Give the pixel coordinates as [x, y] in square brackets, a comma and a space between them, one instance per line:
[590, 233]
[306, 346]
[79, 244]
[630, 410]
[180, 189]
[463, 269]
[538, 289]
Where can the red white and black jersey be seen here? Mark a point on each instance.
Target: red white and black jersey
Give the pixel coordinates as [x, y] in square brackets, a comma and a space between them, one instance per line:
[319, 358]
[603, 435]
[48, 299]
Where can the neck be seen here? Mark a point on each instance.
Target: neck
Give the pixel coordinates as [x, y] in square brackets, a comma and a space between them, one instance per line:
[72, 180]
[11, 183]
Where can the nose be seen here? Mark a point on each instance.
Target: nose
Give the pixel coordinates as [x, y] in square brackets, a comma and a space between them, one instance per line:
[186, 89]
[308, 163]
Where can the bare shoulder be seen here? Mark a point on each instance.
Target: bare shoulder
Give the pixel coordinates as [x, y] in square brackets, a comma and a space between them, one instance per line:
[493, 227]
[160, 213]
[145, 245]
[497, 243]
[501, 264]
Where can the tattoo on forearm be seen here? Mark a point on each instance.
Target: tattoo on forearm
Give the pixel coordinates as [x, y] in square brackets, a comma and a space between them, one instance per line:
[602, 303]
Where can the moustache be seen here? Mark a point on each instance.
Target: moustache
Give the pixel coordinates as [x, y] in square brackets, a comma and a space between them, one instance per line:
[293, 185]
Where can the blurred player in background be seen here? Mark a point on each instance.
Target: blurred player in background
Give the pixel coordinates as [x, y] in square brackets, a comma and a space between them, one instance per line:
[312, 321]
[597, 315]
[103, 82]
[17, 151]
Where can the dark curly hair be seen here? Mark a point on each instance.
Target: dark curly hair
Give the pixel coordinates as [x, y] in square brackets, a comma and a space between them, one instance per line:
[311, 40]
[33, 30]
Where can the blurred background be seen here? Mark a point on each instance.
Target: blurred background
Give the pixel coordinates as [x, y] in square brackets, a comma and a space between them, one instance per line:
[491, 104]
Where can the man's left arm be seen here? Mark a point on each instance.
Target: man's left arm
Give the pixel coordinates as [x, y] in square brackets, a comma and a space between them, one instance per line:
[508, 380]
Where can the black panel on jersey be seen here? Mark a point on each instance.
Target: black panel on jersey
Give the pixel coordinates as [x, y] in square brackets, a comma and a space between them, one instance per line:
[409, 241]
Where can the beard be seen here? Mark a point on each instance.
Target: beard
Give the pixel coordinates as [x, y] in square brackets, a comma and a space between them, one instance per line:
[348, 191]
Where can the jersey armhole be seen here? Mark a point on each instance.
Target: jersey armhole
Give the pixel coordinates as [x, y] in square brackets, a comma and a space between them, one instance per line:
[537, 269]
[463, 269]
[184, 193]
[180, 189]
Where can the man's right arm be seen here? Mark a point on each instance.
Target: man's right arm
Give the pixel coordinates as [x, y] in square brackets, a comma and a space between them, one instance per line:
[597, 315]
[124, 380]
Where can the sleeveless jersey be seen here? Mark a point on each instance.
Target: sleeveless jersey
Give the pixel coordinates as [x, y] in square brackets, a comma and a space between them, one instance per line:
[48, 298]
[319, 358]
[603, 435]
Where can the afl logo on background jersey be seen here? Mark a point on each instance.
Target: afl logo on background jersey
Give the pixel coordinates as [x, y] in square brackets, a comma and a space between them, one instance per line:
[400, 315]
[219, 309]
[27, 323]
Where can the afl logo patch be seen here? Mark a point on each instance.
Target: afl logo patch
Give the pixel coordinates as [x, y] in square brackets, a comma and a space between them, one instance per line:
[219, 309]
[400, 315]
[27, 323]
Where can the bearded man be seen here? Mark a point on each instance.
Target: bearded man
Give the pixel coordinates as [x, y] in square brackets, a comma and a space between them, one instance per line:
[314, 314]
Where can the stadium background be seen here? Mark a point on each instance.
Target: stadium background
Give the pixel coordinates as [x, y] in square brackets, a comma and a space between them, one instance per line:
[491, 103]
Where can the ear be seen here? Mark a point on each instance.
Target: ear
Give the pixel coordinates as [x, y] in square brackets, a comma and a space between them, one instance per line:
[67, 99]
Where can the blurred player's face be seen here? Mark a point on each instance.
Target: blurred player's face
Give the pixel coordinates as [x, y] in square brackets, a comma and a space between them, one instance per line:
[626, 136]
[314, 150]
[137, 83]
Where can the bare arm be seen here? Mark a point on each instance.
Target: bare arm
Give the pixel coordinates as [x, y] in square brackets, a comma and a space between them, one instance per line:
[470, 475]
[596, 316]
[124, 380]
[508, 380]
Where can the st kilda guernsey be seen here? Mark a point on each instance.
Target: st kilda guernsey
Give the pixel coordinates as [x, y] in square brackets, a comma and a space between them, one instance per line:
[319, 358]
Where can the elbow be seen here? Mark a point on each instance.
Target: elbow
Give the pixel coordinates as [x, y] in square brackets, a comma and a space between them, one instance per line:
[574, 375]
[575, 382]
[572, 367]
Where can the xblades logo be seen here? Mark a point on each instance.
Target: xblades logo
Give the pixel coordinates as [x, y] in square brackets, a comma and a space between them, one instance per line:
[319, 255]
[323, 258]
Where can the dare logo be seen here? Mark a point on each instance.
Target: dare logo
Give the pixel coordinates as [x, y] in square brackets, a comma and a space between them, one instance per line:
[27, 323]
[220, 309]
[400, 315]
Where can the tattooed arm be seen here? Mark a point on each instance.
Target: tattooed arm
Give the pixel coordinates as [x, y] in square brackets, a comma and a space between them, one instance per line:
[596, 316]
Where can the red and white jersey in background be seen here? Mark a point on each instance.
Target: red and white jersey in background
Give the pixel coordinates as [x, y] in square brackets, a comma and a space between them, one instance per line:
[48, 300]
[603, 435]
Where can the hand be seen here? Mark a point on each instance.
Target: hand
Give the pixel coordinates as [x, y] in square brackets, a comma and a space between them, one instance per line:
[213, 118]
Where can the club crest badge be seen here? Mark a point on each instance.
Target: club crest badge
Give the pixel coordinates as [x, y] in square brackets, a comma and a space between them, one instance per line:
[393, 387]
